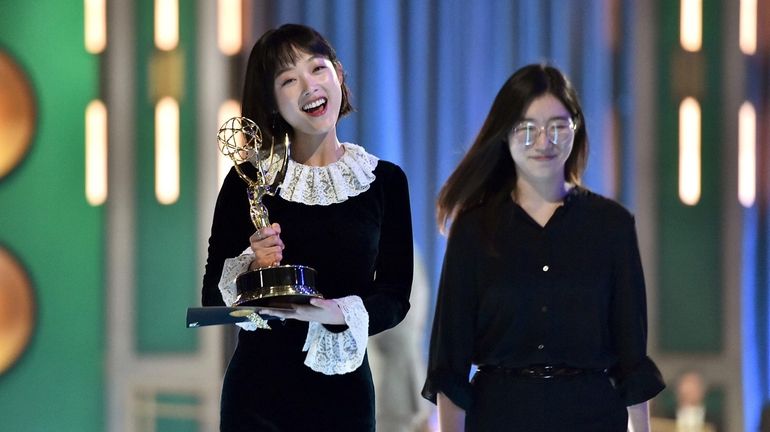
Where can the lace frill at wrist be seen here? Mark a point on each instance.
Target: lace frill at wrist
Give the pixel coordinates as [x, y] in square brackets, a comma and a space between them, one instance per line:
[339, 353]
[231, 269]
[327, 352]
[333, 183]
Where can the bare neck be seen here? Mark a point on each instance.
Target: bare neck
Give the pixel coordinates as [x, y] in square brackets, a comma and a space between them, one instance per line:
[540, 200]
[316, 150]
[540, 193]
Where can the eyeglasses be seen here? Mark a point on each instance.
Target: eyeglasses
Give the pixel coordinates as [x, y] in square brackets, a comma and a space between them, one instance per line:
[557, 132]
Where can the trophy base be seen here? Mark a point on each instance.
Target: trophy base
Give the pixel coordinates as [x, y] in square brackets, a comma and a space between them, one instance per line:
[277, 287]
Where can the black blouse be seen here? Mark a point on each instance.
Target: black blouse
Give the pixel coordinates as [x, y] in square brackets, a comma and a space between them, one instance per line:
[361, 246]
[571, 293]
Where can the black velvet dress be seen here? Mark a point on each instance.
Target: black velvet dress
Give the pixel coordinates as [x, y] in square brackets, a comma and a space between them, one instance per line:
[361, 246]
[569, 294]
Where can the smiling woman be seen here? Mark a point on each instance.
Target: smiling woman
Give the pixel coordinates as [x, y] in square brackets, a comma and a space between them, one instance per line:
[17, 114]
[542, 287]
[340, 210]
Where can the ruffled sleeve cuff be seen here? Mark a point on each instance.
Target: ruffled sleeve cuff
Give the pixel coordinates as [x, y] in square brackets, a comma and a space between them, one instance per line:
[641, 384]
[457, 390]
[230, 271]
[332, 353]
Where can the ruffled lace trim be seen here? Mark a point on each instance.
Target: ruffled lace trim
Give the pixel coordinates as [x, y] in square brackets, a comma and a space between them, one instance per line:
[339, 353]
[232, 268]
[333, 183]
[327, 352]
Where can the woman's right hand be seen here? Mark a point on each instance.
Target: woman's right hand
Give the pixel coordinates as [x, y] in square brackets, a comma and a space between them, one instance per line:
[267, 246]
[451, 418]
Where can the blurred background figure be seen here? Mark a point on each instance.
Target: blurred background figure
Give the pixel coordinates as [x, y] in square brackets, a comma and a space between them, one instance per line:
[764, 423]
[690, 413]
[397, 359]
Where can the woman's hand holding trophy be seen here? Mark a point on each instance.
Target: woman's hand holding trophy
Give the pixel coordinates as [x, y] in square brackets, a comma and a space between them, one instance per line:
[267, 284]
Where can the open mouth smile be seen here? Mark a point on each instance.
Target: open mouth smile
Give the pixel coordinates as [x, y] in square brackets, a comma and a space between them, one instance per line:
[316, 107]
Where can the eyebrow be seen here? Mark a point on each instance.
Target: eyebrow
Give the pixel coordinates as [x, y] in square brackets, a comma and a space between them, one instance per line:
[310, 58]
[564, 117]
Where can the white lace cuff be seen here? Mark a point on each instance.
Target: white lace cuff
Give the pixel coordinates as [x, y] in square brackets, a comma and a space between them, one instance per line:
[339, 353]
[231, 269]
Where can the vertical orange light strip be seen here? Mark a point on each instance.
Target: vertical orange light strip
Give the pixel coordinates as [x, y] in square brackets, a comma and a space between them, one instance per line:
[167, 151]
[229, 26]
[747, 32]
[166, 24]
[95, 21]
[96, 153]
[229, 109]
[747, 154]
[689, 151]
[691, 25]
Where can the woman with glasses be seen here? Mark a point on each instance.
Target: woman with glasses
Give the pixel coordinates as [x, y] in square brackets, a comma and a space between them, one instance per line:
[542, 286]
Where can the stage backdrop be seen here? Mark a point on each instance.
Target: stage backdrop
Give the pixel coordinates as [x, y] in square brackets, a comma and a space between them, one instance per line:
[112, 281]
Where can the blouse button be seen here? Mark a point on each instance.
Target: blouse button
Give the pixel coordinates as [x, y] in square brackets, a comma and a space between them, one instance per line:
[541, 346]
[545, 268]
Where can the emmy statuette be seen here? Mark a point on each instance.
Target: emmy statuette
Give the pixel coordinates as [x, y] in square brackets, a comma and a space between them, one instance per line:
[277, 286]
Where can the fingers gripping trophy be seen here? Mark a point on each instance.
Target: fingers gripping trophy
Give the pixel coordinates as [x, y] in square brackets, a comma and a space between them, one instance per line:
[240, 139]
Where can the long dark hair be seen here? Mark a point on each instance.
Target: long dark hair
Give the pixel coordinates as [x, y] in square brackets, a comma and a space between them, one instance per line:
[275, 50]
[487, 174]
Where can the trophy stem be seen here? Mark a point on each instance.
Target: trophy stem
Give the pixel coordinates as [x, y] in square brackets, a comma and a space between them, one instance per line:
[257, 210]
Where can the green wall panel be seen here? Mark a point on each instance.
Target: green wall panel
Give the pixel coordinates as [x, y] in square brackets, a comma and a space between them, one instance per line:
[46, 221]
[181, 413]
[689, 237]
[168, 412]
[167, 259]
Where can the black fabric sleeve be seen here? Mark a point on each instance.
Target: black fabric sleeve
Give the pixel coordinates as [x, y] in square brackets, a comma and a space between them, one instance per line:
[388, 301]
[452, 337]
[637, 377]
[230, 231]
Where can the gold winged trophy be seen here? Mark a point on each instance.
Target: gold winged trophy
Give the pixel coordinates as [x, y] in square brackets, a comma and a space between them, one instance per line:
[276, 286]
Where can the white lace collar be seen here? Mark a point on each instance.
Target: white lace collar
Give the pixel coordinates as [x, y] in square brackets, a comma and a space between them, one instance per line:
[333, 183]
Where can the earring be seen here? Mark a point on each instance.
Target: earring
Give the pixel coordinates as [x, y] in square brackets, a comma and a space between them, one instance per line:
[273, 131]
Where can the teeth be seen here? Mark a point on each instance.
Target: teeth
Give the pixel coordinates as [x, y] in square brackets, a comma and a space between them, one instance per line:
[315, 104]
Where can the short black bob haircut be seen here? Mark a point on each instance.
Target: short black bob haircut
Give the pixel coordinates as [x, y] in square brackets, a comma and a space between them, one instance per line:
[275, 50]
